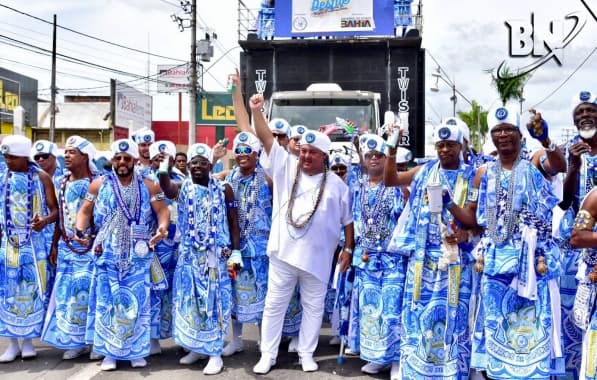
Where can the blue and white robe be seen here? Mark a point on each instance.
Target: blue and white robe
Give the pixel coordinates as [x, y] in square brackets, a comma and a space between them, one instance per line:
[118, 322]
[250, 286]
[436, 342]
[517, 330]
[201, 287]
[24, 271]
[66, 319]
[379, 282]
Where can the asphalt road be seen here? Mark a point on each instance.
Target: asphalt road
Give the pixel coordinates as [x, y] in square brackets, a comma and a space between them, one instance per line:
[49, 365]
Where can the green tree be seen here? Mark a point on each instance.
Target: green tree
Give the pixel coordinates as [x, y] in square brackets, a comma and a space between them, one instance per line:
[476, 119]
[509, 85]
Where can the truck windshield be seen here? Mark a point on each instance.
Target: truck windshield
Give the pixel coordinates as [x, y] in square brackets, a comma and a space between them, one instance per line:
[317, 113]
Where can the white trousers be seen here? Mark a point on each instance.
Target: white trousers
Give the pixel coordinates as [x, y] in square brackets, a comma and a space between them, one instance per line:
[282, 279]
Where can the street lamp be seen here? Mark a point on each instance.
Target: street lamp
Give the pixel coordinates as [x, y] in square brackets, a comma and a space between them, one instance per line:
[435, 88]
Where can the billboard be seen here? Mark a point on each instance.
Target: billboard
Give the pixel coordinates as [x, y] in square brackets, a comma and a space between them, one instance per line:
[173, 78]
[308, 18]
[132, 108]
[215, 108]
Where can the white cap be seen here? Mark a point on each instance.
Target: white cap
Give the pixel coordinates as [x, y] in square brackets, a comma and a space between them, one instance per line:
[144, 136]
[199, 150]
[297, 131]
[372, 142]
[44, 146]
[503, 115]
[279, 125]
[583, 97]
[247, 139]
[466, 134]
[318, 140]
[162, 146]
[127, 146]
[447, 131]
[339, 159]
[83, 145]
[16, 145]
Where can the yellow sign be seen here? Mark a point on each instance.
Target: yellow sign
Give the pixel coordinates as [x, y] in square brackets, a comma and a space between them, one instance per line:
[8, 100]
[216, 109]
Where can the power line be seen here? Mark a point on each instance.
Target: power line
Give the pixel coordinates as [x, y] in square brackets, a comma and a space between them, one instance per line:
[90, 36]
[567, 78]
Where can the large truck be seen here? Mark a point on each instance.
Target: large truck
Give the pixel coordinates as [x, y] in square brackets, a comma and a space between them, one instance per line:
[359, 79]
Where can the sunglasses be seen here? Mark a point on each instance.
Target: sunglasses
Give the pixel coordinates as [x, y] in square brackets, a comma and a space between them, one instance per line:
[279, 136]
[338, 168]
[199, 162]
[377, 155]
[243, 150]
[38, 157]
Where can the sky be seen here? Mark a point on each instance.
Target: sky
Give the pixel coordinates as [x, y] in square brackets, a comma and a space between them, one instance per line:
[464, 37]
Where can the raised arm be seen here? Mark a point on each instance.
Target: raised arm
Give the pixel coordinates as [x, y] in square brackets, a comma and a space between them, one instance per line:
[240, 111]
[261, 129]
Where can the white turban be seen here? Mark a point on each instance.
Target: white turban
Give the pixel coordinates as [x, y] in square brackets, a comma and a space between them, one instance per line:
[339, 159]
[403, 155]
[83, 145]
[199, 150]
[144, 136]
[503, 115]
[247, 139]
[44, 146]
[279, 125]
[318, 140]
[127, 146]
[447, 131]
[373, 142]
[16, 145]
[466, 134]
[165, 146]
[297, 131]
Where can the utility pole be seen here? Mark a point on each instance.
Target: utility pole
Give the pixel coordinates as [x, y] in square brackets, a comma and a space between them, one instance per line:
[53, 86]
[193, 79]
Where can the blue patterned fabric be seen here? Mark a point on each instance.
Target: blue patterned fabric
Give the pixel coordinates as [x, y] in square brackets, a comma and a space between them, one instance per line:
[118, 322]
[436, 342]
[66, 321]
[513, 334]
[255, 205]
[380, 278]
[24, 271]
[589, 353]
[201, 294]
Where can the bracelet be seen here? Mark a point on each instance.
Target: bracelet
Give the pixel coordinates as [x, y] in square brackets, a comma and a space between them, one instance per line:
[347, 250]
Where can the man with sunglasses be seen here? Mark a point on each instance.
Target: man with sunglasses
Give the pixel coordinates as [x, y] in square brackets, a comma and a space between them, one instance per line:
[302, 239]
[123, 206]
[434, 239]
[252, 191]
[27, 196]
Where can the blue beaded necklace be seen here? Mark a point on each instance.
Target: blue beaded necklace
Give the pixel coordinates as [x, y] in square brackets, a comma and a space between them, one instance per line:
[246, 191]
[18, 236]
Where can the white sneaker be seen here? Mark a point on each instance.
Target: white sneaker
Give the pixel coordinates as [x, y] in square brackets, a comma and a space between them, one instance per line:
[154, 347]
[374, 368]
[335, 341]
[293, 345]
[349, 352]
[108, 364]
[265, 364]
[395, 373]
[214, 366]
[308, 363]
[75, 353]
[234, 346]
[192, 357]
[11, 353]
[138, 363]
[27, 350]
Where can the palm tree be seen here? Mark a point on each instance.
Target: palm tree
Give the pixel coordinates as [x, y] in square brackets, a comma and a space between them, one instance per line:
[476, 119]
[509, 85]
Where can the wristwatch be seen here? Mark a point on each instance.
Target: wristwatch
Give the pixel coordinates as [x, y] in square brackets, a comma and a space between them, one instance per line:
[347, 250]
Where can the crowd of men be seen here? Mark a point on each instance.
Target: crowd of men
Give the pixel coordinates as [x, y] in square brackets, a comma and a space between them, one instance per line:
[466, 266]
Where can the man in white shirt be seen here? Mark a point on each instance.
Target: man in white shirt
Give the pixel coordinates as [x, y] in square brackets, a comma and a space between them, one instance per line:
[309, 207]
